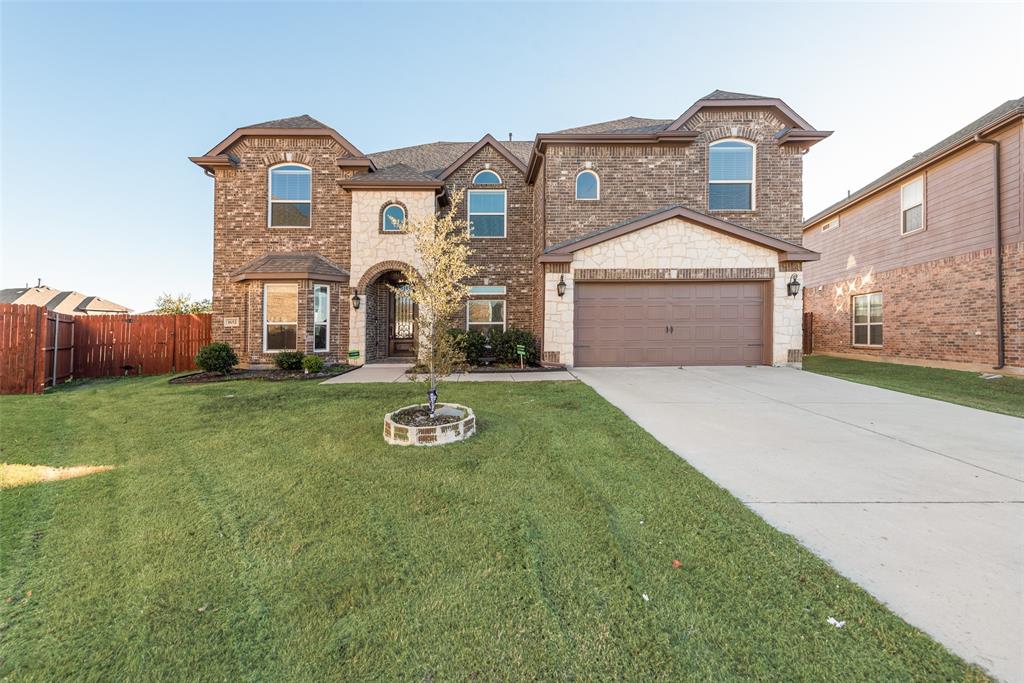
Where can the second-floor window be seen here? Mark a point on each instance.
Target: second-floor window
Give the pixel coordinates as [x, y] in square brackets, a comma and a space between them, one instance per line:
[392, 218]
[587, 185]
[731, 176]
[487, 177]
[486, 213]
[912, 206]
[290, 196]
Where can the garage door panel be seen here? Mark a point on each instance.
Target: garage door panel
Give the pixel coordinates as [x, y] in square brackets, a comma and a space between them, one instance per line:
[669, 323]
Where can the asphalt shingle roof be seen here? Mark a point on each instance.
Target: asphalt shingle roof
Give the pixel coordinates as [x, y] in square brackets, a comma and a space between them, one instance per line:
[302, 121]
[629, 124]
[922, 158]
[726, 95]
[293, 262]
[398, 172]
[432, 158]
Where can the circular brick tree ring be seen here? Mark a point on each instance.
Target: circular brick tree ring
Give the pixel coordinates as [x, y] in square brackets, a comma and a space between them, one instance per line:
[405, 435]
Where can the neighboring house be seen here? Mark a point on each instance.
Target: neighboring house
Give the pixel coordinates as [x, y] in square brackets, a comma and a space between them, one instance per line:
[72, 303]
[628, 242]
[911, 263]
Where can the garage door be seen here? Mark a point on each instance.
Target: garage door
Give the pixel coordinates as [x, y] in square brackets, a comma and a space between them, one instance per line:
[669, 323]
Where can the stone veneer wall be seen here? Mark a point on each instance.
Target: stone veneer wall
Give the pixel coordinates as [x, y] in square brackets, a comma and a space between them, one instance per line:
[942, 310]
[672, 246]
[370, 248]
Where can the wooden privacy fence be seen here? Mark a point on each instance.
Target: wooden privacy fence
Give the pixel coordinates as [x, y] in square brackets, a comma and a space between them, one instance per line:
[40, 348]
[808, 332]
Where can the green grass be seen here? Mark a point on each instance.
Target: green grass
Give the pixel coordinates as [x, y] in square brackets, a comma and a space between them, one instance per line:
[264, 531]
[1004, 395]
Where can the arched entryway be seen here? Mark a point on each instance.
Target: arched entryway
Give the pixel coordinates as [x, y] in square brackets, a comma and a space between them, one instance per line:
[390, 326]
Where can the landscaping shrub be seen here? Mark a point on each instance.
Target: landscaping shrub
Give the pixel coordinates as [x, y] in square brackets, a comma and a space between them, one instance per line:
[504, 346]
[288, 360]
[471, 344]
[312, 364]
[217, 357]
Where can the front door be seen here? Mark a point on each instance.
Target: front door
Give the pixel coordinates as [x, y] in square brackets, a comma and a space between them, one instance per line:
[401, 324]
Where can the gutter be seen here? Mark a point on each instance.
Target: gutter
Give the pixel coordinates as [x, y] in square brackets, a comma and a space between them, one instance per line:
[997, 201]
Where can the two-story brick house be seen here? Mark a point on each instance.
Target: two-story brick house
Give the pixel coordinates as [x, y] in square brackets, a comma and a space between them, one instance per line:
[925, 264]
[628, 242]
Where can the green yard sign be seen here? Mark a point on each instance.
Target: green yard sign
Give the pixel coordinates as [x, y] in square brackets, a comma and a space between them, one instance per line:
[521, 350]
[353, 354]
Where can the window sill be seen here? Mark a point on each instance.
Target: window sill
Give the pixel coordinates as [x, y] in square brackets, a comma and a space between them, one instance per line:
[912, 232]
[732, 210]
[866, 346]
[289, 227]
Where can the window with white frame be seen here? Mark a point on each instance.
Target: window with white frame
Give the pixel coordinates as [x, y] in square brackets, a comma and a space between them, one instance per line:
[290, 196]
[731, 176]
[321, 317]
[487, 177]
[588, 186]
[486, 213]
[828, 225]
[912, 206]
[392, 218]
[485, 315]
[280, 316]
[867, 319]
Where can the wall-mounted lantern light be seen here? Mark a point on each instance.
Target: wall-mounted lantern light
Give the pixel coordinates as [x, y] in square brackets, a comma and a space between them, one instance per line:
[793, 286]
[355, 300]
[560, 287]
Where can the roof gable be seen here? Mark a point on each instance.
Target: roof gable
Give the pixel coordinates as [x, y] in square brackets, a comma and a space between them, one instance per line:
[469, 153]
[721, 99]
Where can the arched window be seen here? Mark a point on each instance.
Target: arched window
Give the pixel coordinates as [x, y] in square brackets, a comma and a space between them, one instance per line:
[290, 196]
[731, 176]
[588, 185]
[392, 218]
[487, 177]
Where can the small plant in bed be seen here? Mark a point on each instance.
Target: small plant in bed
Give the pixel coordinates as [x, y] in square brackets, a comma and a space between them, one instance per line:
[288, 360]
[419, 416]
[216, 358]
[311, 364]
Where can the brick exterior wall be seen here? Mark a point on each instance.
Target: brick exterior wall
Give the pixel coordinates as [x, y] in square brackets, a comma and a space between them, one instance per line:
[636, 179]
[240, 235]
[942, 310]
[505, 261]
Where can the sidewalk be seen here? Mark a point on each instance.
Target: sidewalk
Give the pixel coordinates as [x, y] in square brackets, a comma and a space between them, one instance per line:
[395, 372]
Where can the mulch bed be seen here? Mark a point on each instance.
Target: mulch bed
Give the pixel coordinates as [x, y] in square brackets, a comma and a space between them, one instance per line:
[493, 368]
[419, 416]
[270, 375]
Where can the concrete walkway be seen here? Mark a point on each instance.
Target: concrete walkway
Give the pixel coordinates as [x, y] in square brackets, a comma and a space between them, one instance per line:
[395, 372]
[921, 502]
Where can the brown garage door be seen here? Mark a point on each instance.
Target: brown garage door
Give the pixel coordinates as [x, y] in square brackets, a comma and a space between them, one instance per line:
[669, 323]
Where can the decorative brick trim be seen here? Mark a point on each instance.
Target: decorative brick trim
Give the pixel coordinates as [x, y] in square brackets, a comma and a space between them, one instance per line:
[384, 266]
[790, 266]
[674, 274]
[556, 268]
[380, 217]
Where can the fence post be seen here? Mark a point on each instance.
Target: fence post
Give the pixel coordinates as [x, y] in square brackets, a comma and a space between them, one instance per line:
[56, 348]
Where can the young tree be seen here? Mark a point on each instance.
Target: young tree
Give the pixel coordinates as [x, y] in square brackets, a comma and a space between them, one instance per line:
[182, 303]
[437, 287]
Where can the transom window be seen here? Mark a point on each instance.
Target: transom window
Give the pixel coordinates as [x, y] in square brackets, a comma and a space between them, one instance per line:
[487, 177]
[485, 315]
[912, 206]
[321, 317]
[834, 223]
[731, 176]
[867, 319]
[290, 192]
[486, 213]
[393, 218]
[280, 316]
[588, 185]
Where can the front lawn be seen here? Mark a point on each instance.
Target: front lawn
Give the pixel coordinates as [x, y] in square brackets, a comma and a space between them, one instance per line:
[1004, 395]
[264, 531]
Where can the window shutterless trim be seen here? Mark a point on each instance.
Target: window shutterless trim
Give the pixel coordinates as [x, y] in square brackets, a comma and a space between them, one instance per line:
[753, 174]
[854, 325]
[326, 323]
[503, 213]
[488, 170]
[903, 209]
[270, 195]
[384, 228]
[504, 313]
[281, 285]
[597, 179]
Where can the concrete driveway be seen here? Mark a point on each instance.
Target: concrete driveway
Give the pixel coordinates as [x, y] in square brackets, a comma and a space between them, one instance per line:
[920, 502]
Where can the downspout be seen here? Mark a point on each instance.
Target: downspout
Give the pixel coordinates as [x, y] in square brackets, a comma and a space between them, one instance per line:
[997, 200]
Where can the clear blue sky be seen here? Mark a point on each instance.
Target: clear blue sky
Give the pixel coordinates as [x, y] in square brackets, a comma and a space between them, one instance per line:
[101, 103]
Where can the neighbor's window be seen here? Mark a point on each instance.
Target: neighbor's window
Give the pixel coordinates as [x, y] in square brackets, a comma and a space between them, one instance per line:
[588, 186]
[912, 200]
[321, 317]
[280, 316]
[834, 223]
[867, 319]
[290, 202]
[487, 178]
[486, 213]
[484, 315]
[394, 216]
[731, 176]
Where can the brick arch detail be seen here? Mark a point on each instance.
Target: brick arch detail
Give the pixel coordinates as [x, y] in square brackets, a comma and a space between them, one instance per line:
[380, 214]
[378, 269]
[283, 157]
[743, 132]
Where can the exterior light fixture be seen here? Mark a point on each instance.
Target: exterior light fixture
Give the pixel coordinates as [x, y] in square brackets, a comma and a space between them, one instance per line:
[793, 286]
[355, 300]
[560, 287]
